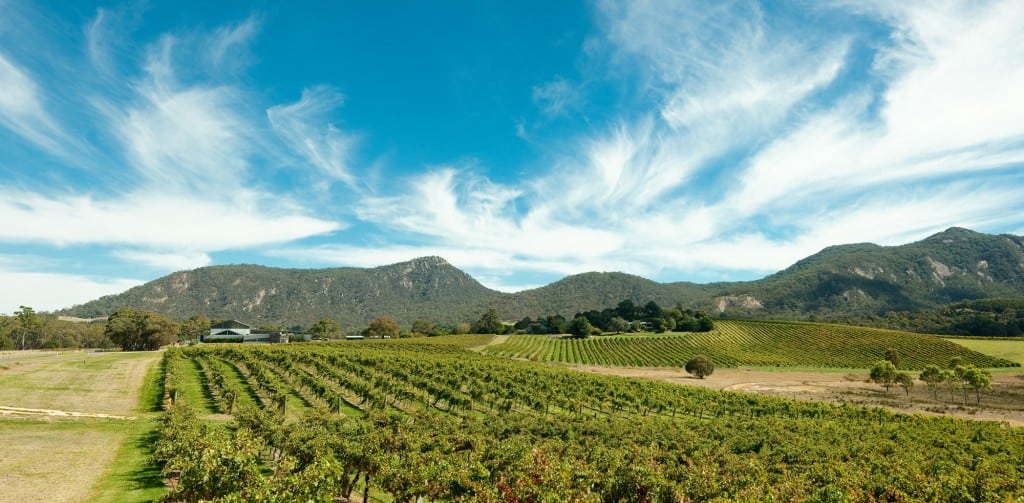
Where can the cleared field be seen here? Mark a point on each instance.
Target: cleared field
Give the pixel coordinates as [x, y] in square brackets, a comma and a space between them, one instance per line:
[749, 343]
[56, 444]
[102, 383]
[1009, 349]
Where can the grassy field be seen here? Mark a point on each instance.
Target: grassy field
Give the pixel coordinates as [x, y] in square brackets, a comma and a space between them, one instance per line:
[1009, 349]
[748, 343]
[76, 427]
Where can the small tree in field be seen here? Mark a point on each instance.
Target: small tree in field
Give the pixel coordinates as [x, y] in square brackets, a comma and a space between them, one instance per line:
[883, 372]
[700, 366]
[932, 377]
[892, 356]
[905, 381]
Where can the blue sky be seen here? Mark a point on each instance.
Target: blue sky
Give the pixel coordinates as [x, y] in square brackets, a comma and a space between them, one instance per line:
[521, 141]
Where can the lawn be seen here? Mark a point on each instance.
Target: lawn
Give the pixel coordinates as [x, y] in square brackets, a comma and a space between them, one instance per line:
[1010, 349]
[64, 448]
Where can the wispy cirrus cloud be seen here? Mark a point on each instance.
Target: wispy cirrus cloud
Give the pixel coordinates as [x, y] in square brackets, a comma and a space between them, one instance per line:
[186, 153]
[303, 125]
[557, 97]
[753, 148]
[23, 110]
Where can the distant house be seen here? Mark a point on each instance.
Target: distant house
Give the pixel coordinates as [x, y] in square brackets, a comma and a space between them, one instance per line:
[236, 331]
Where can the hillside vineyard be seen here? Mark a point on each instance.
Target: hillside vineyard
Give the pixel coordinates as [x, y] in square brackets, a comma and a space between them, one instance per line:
[324, 421]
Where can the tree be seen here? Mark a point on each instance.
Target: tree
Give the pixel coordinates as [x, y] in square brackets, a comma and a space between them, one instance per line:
[979, 380]
[28, 323]
[557, 324]
[140, 330]
[700, 366]
[892, 356]
[905, 381]
[489, 323]
[932, 377]
[194, 327]
[618, 325]
[383, 327]
[883, 372]
[424, 327]
[949, 377]
[580, 327]
[326, 328]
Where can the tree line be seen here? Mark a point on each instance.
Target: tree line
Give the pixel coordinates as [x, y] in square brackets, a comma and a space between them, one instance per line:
[625, 317]
[134, 329]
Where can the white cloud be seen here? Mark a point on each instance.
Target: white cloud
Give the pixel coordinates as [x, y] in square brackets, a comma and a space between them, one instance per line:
[173, 261]
[49, 292]
[301, 125]
[227, 48]
[22, 109]
[858, 166]
[557, 97]
[152, 219]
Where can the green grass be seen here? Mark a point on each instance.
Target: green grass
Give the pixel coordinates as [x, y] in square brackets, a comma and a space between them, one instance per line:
[749, 343]
[132, 477]
[1009, 349]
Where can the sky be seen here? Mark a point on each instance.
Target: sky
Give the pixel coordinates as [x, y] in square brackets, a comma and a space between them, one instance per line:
[521, 141]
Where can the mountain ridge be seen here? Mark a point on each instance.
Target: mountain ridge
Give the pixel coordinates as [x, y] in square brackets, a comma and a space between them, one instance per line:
[851, 280]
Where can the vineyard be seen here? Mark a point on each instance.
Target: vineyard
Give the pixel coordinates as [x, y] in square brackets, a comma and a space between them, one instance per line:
[330, 422]
[755, 343]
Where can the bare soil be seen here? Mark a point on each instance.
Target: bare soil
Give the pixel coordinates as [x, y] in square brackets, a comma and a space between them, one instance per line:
[1005, 402]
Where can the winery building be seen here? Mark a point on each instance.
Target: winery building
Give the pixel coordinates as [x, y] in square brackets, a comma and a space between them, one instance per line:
[236, 331]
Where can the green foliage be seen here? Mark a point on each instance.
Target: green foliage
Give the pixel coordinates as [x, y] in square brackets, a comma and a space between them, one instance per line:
[757, 343]
[140, 330]
[892, 356]
[194, 327]
[580, 327]
[489, 323]
[445, 424]
[932, 377]
[883, 372]
[382, 328]
[700, 366]
[326, 328]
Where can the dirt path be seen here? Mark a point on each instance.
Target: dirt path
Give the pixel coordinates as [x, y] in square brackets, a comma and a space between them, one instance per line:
[497, 339]
[23, 412]
[1004, 403]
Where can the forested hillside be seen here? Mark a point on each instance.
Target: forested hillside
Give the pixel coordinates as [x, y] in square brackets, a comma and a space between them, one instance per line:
[856, 282]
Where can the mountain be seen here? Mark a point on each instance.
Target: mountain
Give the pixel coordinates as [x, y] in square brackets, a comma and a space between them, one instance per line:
[427, 288]
[856, 281]
[950, 266]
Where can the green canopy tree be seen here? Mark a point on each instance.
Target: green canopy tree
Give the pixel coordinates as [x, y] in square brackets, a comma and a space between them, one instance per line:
[883, 372]
[905, 381]
[135, 330]
[489, 323]
[932, 378]
[700, 366]
[194, 327]
[326, 328]
[979, 380]
[383, 327]
[28, 324]
[580, 327]
[618, 325]
[893, 356]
